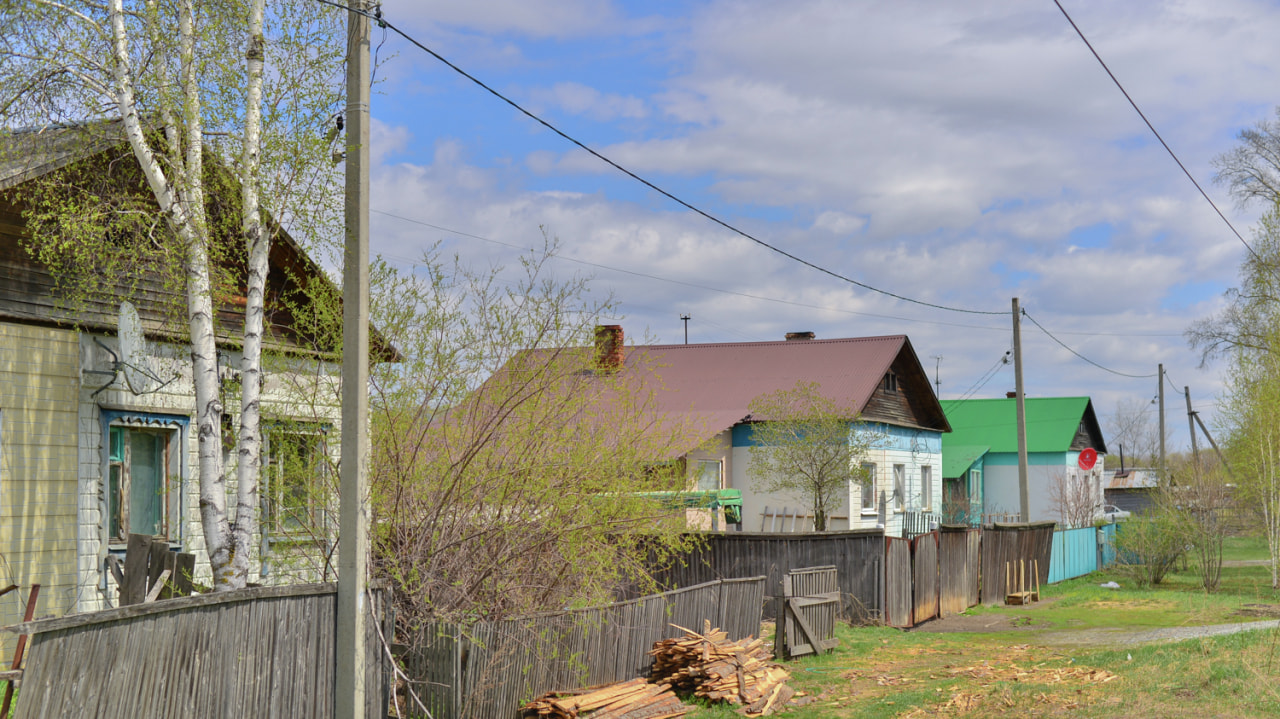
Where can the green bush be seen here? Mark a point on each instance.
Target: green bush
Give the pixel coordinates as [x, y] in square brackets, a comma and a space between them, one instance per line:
[1147, 547]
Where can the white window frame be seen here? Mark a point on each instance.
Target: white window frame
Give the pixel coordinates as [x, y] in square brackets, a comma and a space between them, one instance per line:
[899, 487]
[701, 465]
[868, 489]
[926, 487]
[272, 485]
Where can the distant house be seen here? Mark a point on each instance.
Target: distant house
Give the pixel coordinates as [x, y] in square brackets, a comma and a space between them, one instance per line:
[86, 457]
[707, 389]
[981, 452]
[1130, 489]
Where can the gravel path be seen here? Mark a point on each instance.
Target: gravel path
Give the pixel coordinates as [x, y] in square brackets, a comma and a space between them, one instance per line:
[1111, 637]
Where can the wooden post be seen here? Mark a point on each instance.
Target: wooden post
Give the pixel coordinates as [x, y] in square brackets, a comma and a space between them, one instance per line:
[20, 649]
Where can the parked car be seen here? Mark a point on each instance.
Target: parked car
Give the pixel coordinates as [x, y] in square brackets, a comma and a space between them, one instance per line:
[1112, 513]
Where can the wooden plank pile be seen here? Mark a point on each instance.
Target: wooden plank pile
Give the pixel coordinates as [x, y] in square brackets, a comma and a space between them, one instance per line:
[635, 699]
[709, 665]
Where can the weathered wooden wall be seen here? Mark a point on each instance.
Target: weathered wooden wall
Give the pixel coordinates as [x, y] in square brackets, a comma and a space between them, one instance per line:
[858, 556]
[958, 563]
[1008, 543]
[487, 670]
[924, 576]
[260, 652]
[808, 609]
[897, 582]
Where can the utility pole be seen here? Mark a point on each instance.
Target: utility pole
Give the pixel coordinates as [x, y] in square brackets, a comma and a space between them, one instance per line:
[1160, 393]
[685, 319]
[1024, 496]
[1191, 422]
[353, 513]
[937, 376]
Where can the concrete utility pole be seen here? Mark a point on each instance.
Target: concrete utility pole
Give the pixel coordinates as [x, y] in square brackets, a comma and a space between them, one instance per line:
[353, 513]
[1024, 495]
[1160, 393]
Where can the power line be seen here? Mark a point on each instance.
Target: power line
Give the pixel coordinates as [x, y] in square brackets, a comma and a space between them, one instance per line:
[1151, 127]
[1077, 354]
[383, 22]
[684, 283]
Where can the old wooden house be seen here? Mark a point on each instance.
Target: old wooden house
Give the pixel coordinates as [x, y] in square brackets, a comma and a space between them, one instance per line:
[95, 444]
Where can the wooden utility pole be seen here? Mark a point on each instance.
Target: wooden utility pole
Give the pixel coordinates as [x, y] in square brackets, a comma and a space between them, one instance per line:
[1024, 495]
[1160, 393]
[1191, 422]
[353, 513]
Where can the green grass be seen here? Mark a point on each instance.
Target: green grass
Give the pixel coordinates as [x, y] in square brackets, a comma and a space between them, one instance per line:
[1244, 548]
[882, 672]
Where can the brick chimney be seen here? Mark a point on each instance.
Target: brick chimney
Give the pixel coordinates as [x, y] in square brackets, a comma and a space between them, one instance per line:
[609, 347]
[794, 336]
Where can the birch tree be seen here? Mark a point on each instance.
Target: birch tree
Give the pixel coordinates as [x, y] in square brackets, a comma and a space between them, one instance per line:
[806, 445]
[164, 70]
[1251, 420]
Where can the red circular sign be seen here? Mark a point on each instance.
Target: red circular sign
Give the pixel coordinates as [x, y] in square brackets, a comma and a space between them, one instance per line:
[1088, 458]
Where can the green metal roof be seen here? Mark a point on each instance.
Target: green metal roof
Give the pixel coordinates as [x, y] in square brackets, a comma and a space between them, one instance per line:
[1052, 423]
[957, 459]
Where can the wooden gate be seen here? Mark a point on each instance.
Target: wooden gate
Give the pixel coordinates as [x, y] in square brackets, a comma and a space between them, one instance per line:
[897, 582]
[924, 571]
[810, 603]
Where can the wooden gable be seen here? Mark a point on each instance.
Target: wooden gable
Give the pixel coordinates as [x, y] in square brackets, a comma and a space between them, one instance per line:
[907, 399]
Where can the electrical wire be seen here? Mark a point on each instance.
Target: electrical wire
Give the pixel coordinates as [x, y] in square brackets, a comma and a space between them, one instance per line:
[984, 379]
[383, 22]
[683, 283]
[1153, 130]
[1077, 354]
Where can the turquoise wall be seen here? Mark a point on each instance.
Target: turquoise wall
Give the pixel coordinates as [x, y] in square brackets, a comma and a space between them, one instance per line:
[891, 437]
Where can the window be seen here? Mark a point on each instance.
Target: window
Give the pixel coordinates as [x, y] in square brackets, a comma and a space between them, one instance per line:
[926, 487]
[709, 474]
[295, 464]
[143, 478]
[899, 486]
[890, 382]
[868, 487]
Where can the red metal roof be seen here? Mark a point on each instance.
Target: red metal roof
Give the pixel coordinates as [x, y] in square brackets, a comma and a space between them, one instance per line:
[715, 383]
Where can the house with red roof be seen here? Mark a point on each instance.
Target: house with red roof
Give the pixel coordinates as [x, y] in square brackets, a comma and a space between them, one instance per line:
[706, 390]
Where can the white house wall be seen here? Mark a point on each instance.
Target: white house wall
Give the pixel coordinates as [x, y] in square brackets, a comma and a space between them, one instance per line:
[281, 399]
[1000, 482]
[911, 448]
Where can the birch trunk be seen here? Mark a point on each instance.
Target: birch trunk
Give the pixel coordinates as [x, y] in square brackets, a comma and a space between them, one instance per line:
[181, 200]
[257, 243]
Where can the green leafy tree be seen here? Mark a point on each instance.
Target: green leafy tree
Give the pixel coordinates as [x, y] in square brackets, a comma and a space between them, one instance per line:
[508, 466]
[808, 446]
[178, 83]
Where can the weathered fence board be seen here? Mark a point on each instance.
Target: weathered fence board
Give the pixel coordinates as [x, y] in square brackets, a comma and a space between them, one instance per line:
[1074, 554]
[810, 605]
[957, 568]
[265, 651]
[924, 576]
[858, 556]
[897, 582]
[487, 670]
[1008, 543]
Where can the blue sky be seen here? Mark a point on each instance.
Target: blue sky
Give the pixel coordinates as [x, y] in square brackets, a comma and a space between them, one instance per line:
[960, 153]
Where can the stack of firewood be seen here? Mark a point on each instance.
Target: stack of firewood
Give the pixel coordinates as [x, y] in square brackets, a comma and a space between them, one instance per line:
[635, 699]
[709, 665]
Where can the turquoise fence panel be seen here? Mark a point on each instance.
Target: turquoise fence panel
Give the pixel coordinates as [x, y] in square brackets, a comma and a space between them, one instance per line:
[1074, 554]
[1107, 543]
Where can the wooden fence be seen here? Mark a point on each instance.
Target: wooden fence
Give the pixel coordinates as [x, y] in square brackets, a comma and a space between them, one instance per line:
[808, 607]
[487, 670]
[959, 560]
[260, 652]
[858, 556]
[897, 582]
[1011, 543]
[924, 577]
